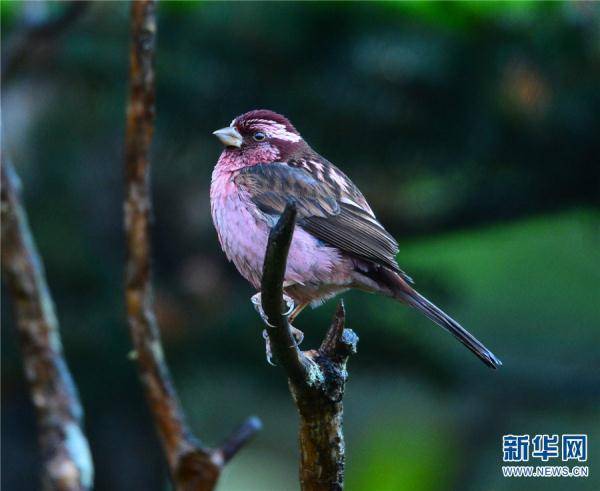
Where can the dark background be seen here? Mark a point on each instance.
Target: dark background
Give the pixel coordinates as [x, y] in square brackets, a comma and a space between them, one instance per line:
[472, 128]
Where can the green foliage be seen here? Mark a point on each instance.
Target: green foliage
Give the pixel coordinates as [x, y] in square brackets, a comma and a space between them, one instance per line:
[470, 14]
[414, 455]
[9, 11]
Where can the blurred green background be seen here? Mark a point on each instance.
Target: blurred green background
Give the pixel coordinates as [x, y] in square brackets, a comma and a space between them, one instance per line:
[474, 131]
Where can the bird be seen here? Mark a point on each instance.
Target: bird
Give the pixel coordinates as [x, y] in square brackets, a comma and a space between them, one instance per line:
[338, 243]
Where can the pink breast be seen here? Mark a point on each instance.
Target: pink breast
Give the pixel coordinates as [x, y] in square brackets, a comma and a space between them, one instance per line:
[243, 231]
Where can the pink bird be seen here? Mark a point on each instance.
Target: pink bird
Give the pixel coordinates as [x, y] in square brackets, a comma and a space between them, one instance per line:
[338, 243]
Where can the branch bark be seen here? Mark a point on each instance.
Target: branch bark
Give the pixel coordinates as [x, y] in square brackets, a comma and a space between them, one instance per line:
[192, 465]
[316, 377]
[67, 463]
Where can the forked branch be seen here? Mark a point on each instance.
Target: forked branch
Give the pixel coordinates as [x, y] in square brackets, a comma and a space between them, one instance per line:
[316, 377]
[193, 466]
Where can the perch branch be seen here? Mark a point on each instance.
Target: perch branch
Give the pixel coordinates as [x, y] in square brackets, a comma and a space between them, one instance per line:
[296, 364]
[316, 378]
[67, 463]
[193, 467]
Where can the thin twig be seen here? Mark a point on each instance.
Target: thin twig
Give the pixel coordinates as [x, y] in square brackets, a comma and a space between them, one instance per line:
[67, 463]
[192, 465]
[316, 377]
[238, 438]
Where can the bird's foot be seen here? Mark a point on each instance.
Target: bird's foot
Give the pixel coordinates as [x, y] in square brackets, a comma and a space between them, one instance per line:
[256, 300]
[298, 338]
[297, 333]
[268, 352]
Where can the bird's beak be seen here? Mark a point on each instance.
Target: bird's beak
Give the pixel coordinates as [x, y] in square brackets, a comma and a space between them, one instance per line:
[229, 137]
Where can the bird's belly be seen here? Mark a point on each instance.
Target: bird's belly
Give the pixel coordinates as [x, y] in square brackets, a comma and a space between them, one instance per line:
[314, 270]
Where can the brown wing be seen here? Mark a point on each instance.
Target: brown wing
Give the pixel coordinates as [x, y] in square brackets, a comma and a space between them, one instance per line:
[322, 211]
[324, 171]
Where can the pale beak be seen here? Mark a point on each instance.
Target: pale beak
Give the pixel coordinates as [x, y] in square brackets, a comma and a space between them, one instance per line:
[229, 137]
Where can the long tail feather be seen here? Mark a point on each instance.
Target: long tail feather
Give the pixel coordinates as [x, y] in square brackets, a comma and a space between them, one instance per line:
[397, 286]
[437, 315]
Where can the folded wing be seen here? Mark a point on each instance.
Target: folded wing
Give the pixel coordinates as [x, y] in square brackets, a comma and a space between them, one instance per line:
[323, 211]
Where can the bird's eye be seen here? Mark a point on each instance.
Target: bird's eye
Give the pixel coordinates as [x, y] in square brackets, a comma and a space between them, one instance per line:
[259, 136]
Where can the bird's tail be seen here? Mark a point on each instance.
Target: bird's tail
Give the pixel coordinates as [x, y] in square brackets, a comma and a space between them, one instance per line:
[406, 294]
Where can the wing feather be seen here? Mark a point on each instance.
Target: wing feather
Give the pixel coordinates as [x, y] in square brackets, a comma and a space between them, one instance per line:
[322, 211]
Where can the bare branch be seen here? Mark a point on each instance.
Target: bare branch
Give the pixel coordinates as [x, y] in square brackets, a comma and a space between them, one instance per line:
[67, 463]
[239, 437]
[316, 377]
[192, 465]
[339, 343]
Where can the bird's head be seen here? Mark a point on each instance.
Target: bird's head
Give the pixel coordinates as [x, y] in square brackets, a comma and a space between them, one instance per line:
[259, 136]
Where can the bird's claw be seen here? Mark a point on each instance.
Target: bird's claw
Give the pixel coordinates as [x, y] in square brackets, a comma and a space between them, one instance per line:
[289, 303]
[256, 300]
[268, 351]
[298, 338]
[297, 333]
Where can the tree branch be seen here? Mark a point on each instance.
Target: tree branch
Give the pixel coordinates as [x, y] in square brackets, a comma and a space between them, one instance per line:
[67, 463]
[192, 465]
[316, 377]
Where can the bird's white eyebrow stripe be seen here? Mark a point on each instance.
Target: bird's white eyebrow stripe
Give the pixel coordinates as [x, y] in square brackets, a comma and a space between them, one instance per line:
[264, 121]
[275, 129]
[272, 128]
